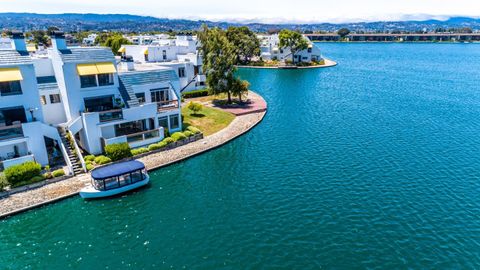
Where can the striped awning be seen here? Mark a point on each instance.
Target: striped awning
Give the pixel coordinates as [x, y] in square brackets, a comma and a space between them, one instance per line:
[145, 51]
[96, 68]
[10, 74]
[122, 50]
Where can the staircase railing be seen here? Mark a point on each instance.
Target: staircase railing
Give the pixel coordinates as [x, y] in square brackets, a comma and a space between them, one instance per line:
[188, 84]
[77, 151]
[65, 154]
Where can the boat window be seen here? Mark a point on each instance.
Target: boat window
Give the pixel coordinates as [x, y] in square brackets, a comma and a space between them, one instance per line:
[137, 176]
[125, 180]
[111, 183]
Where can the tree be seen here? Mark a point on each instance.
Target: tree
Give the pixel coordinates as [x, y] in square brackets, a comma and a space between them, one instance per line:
[292, 40]
[343, 32]
[115, 42]
[40, 37]
[219, 60]
[240, 88]
[245, 42]
[195, 107]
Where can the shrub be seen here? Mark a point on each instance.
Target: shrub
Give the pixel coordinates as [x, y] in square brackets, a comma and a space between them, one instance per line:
[139, 151]
[58, 173]
[188, 133]
[100, 160]
[153, 147]
[37, 178]
[90, 158]
[194, 130]
[168, 140]
[195, 107]
[48, 175]
[89, 167]
[22, 172]
[118, 151]
[197, 93]
[178, 136]
[3, 182]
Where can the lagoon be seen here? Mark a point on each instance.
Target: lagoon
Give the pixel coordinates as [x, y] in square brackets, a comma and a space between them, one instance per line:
[374, 163]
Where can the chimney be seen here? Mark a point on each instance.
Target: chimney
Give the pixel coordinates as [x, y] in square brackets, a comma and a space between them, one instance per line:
[18, 42]
[58, 40]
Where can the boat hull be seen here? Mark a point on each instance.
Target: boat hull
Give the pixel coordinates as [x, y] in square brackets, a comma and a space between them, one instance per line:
[91, 193]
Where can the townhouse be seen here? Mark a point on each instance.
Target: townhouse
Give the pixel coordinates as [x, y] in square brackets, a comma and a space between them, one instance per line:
[271, 50]
[84, 93]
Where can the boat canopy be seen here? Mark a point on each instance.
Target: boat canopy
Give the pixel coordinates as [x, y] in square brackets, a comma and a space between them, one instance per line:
[117, 169]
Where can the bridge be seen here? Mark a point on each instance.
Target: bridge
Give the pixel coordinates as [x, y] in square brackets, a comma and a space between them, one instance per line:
[383, 37]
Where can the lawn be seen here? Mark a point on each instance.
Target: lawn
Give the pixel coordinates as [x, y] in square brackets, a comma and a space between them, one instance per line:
[208, 120]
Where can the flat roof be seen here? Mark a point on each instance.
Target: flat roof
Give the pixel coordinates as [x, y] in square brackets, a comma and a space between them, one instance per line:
[117, 169]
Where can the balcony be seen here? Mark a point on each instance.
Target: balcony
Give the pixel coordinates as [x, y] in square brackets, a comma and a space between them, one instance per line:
[8, 162]
[137, 139]
[167, 105]
[11, 132]
[111, 115]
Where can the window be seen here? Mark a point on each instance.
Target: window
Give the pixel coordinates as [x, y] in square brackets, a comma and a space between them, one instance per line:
[181, 72]
[55, 98]
[174, 121]
[305, 58]
[43, 100]
[159, 94]
[140, 97]
[164, 54]
[163, 122]
[105, 79]
[309, 50]
[88, 81]
[281, 50]
[10, 88]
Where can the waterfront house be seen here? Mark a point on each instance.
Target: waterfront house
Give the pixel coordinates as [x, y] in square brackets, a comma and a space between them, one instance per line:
[84, 92]
[271, 51]
[180, 54]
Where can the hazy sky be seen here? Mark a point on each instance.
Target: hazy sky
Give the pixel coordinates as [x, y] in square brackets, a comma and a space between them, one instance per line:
[258, 10]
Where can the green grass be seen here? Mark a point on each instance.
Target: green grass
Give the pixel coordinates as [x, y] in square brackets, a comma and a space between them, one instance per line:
[208, 120]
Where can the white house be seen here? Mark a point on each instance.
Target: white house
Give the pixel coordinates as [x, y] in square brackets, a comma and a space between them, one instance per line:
[90, 39]
[82, 92]
[180, 54]
[271, 50]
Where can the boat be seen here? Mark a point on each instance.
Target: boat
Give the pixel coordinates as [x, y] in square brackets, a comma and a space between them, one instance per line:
[116, 179]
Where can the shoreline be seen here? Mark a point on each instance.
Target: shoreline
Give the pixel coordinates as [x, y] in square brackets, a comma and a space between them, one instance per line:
[328, 63]
[54, 192]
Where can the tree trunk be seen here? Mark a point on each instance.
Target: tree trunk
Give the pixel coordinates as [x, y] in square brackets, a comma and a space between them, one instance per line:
[229, 97]
[240, 98]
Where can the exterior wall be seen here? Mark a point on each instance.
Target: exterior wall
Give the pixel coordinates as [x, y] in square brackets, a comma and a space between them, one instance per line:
[43, 67]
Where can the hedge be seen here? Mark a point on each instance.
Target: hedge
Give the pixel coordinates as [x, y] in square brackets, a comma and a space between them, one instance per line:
[194, 130]
[22, 172]
[168, 140]
[196, 93]
[188, 133]
[139, 151]
[178, 136]
[89, 167]
[90, 158]
[58, 173]
[3, 182]
[101, 160]
[118, 151]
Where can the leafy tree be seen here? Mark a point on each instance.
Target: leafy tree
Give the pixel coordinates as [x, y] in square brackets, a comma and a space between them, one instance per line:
[343, 32]
[219, 60]
[245, 42]
[240, 88]
[115, 42]
[40, 37]
[292, 40]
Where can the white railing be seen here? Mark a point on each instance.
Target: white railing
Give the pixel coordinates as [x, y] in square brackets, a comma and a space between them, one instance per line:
[15, 161]
[65, 155]
[77, 151]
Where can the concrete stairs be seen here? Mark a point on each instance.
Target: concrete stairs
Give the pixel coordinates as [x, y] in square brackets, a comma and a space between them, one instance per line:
[74, 160]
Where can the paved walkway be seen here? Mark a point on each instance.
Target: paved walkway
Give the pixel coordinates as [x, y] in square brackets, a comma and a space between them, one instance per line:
[57, 191]
[255, 104]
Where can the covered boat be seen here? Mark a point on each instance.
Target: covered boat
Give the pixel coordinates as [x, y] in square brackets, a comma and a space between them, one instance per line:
[115, 179]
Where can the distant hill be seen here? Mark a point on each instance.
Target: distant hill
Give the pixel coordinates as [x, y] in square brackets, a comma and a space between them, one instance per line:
[134, 23]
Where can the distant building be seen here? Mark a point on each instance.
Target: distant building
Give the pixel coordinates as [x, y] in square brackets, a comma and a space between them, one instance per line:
[89, 40]
[270, 50]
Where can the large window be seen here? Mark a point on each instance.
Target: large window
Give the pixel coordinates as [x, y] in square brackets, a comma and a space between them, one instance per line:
[88, 81]
[105, 79]
[164, 55]
[159, 95]
[130, 128]
[181, 72]
[174, 121]
[55, 98]
[10, 88]
[163, 122]
[99, 104]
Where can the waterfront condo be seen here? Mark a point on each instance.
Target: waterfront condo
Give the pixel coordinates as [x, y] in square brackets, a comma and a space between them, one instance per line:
[271, 51]
[84, 93]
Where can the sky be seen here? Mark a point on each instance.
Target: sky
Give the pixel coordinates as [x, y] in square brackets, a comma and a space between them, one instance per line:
[269, 11]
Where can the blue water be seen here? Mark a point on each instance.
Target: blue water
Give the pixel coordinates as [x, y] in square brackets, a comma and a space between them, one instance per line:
[374, 163]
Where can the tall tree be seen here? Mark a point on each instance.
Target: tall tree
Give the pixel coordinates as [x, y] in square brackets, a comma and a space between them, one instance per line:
[246, 43]
[343, 32]
[219, 58]
[115, 42]
[292, 40]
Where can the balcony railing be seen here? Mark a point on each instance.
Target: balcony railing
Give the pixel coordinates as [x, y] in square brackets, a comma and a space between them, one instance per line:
[10, 132]
[111, 115]
[167, 105]
[142, 136]
[8, 162]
